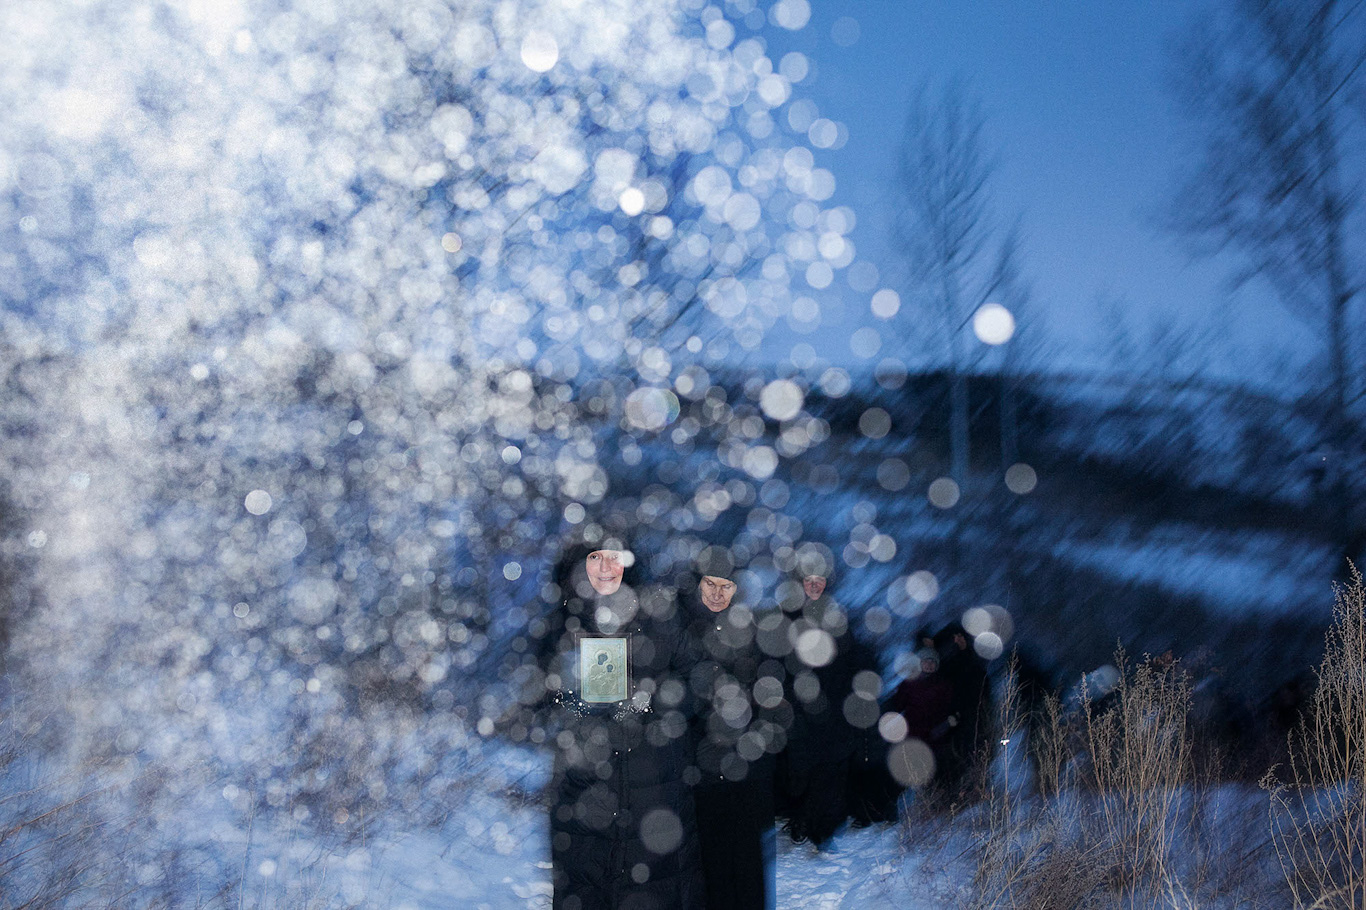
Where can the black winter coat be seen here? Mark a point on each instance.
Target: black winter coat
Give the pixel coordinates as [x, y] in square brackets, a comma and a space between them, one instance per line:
[741, 717]
[739, 726]
[815, 769]
[622, 822]
[969, 737]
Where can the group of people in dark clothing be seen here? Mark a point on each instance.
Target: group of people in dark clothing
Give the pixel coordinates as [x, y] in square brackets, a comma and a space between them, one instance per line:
[945, 704]
[686, 721]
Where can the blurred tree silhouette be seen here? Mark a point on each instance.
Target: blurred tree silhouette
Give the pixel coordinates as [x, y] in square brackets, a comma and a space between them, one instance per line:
[1274, 89]
[956, 255]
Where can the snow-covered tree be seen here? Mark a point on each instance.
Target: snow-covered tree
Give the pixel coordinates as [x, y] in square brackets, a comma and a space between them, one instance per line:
[302, 310]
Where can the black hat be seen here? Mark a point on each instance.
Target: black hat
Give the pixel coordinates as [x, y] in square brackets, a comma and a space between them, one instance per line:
[716, 561]
[814, 559]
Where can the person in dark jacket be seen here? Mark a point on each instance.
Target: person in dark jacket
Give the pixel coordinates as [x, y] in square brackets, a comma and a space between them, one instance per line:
[924, 699]
[815, 767]
[967, 741]
[735, 734]
[623, 834]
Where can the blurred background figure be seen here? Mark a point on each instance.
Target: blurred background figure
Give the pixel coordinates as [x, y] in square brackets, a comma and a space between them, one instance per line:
[946, 703]
[813, 792]
[967, 739]
[924, 699]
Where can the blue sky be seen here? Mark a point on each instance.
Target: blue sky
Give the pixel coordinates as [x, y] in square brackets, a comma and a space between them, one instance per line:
[1078, 105]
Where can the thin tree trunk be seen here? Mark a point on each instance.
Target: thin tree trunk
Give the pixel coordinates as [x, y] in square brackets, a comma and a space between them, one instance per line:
[1010, 443]
[959, 440]
[1331, 208]
[958, 431]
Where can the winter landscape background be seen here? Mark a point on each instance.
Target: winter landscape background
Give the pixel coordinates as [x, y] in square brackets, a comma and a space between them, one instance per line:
[322, 325]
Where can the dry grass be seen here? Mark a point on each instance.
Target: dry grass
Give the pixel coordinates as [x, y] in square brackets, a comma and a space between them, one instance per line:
[1048, 744]
[1318, 811]
[1140, 762]
[1030, 853]
[1114, 814]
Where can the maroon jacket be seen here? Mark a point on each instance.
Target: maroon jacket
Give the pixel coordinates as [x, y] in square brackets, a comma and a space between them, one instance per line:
[926, 702]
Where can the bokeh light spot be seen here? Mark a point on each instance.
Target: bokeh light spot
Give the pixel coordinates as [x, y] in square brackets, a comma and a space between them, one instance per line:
[861, 711]
[911, 763]
[988, 645]
[875, 423]
[790, 14]
[892, 727]
[782, 399]
[819, 275]
[760, 462]
[816, 647]
[944, 493]
[845, 31]
[976, 620]
[540, 51]
[835, 382]
[794, 66]
[865, 342]
[823, 133]
[922, 586]
[1102, 680]
[877, 620]
[885, 303]
[631, 201]
[993, 324]
[893, 475]
[651, 408]
[1021, 479]
[661, 831]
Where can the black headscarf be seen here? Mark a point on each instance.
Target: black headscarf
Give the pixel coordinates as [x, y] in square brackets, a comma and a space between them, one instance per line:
[573, 596]
[571, 574]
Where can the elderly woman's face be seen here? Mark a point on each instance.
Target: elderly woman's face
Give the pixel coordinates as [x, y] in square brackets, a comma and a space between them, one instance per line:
[814, 586]
[605, 568]
[716, 592]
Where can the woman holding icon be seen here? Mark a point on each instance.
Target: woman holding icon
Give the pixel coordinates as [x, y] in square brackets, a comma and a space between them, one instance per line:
[611, 654]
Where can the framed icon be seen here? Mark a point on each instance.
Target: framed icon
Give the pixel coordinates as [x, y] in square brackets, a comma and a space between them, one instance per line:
[604, 663]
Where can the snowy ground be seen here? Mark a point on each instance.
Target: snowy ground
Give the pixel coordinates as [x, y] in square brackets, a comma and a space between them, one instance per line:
[425, 870]
[477, 837]
[428, 869]
[492, 852]
[439, 868]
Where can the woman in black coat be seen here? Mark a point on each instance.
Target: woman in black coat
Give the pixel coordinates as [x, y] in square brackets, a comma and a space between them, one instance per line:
[623, 835]
[735, 734]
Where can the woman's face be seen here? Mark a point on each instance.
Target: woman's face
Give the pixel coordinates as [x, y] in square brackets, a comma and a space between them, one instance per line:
[716, 592]
[814, 586]
[605, 568]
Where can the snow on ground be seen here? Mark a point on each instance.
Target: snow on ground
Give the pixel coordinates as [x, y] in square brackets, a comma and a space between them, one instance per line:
[493, 852]
[428, 870]
[867, 867]
[487, 847]
[873, 868]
